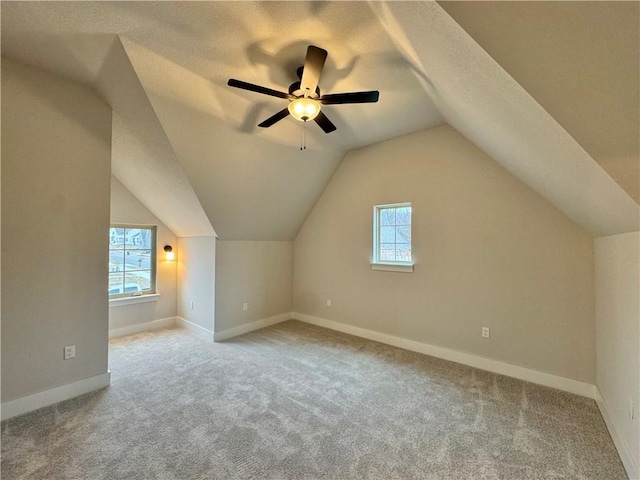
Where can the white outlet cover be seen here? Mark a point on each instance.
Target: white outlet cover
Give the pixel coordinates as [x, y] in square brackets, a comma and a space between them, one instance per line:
[69, 352]
[485, 332]
[328, 302]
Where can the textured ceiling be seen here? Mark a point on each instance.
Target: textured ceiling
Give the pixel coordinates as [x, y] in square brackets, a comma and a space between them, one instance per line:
[580, 61]
[252, 183]
[181, 132]
[483, 102]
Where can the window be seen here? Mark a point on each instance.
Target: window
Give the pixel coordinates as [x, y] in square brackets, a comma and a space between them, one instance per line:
[132, 260]
[392, 237]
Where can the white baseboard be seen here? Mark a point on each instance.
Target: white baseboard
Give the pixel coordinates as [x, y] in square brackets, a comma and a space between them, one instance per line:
[142, 327]
[249, 327]
[49, 397]
[631, 463]
[483, 363]
[197, 330]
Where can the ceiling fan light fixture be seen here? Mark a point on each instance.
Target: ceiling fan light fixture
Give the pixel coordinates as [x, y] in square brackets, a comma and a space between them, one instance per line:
[304, 109]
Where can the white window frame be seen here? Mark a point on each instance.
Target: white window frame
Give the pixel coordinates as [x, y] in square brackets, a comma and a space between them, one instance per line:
[126, 298]
[387, 265]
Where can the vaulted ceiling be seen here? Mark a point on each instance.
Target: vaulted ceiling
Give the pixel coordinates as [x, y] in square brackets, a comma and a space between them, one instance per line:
[188, 146]
[580, 61]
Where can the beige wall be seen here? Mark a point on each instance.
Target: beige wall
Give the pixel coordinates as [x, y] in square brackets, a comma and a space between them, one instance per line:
[126, 208]
[197, 280]
[617, 276]
[488, 252]
[258, 273]
[56, 166]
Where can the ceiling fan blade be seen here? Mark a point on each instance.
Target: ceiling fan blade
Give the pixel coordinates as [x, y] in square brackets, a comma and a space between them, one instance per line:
[312, 68]
[325, 123]
[352, 97]
[274, 118]
[258, 89]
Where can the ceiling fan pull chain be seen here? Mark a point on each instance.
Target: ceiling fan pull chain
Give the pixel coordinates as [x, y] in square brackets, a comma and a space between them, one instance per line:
[303, 136]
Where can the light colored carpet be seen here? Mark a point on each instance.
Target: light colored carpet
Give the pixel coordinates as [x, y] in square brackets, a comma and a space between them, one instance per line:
[295, 401]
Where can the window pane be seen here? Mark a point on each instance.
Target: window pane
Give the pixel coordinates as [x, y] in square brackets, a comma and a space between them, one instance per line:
[387, 252]
[115, 283]
[138, 260]
[131, 284]
[403, 216]
[146, 239]
[116, 238]
[145, 280]
[387, 216]
[138, 238]
[129, 238]
[403, 252]
[138, 281]
[387, 234]
[403, 234]
[116, 261]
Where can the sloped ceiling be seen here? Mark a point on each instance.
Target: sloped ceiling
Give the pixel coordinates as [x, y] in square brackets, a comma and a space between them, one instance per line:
[483, 102]
[142, 156]
[580, 61]
[254, 183]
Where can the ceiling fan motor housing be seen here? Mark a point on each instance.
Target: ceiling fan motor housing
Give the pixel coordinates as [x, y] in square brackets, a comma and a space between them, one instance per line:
[294, 89]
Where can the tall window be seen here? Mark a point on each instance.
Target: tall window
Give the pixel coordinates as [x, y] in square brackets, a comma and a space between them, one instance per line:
[132, 260]
[392, 234]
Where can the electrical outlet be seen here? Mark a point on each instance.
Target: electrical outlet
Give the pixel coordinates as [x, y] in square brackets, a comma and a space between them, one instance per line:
[69, 352]
[632, 413]
[245, 306]
[328, 302]
[485, 332]
[191, 304]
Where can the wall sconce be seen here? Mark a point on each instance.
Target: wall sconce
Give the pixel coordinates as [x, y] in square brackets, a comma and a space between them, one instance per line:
[168, 249]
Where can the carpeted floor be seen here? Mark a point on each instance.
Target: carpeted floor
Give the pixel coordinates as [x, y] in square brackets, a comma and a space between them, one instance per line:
[295, 401]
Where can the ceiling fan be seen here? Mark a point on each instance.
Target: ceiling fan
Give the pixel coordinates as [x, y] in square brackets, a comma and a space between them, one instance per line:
[305, 99]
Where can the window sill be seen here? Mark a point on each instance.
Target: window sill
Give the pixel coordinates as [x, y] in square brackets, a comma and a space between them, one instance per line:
[392, 267]
[122, 301]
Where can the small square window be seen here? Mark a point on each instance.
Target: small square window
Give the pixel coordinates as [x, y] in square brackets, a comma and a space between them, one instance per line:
[392, 234]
